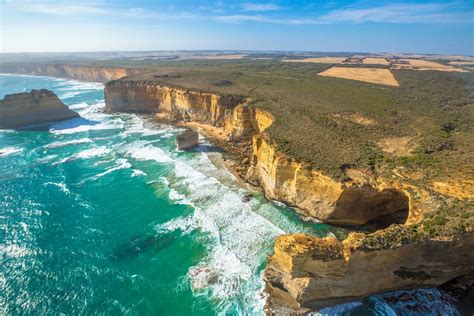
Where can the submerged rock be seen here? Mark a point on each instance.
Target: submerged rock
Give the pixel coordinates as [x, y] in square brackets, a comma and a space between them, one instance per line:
[32, 108]
[140, 244]
[187, 140]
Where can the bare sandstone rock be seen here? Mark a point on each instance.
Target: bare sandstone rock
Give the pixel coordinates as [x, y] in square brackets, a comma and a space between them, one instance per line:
[32, 108]
[187, 140]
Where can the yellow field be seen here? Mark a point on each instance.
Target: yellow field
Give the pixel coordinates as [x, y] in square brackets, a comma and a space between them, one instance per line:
[375, 61]
[372, 75]
[461, 62]
[421, 64]
[321, 60]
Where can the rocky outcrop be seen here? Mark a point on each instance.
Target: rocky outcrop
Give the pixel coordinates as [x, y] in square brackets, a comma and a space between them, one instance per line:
[307, 272]
[247, 121]
[78, 72]
[177, 104]
[188, 139]
[318, 196]
[32, 108]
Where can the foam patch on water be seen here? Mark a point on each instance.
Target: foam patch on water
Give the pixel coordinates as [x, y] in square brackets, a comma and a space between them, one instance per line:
[14, 251]
[79, 106]
[138, 173]
[141, 150]
[137, 126]
[177, 197]
[6, 151]
[62, 186]
[93, 152]
[67, 143]
[120, 164]
[80, 125]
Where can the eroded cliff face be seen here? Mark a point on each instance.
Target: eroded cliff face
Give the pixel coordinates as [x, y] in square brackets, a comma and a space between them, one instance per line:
[307, 273]
[32, 108]
[78, 72]
[247, 121]
[318, 196]
[175, 104]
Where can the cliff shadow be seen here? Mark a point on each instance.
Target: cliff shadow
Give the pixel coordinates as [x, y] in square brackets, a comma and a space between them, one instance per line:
[368, 209]
[60, 125]
[209, 148]
[73, 123]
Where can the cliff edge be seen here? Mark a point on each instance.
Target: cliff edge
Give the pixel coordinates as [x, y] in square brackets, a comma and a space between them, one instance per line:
[419, 236]
[32, 108]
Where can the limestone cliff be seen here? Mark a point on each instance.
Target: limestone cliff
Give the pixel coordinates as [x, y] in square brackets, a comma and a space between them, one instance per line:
[177, 104]
[33, 108]
[247, 121]
[317, 196]
[78, 72]
[307, 273]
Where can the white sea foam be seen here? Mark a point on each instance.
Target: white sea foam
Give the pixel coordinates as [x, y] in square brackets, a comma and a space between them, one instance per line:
[138, 173]
[177, 197]
[61, 185]
[81, 85]
[120, 164]
[13, 251]
[137, 126]
[79, 106]
[67, 143]
[69, 94]
[141, 150]
[10, 151]
[93, 111]
[93, 152]
[81, 125]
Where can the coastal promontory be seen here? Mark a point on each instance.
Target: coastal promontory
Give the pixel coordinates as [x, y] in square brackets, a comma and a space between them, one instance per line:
[32, 108]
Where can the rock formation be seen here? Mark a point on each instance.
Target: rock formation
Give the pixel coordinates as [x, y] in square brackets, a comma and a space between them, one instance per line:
[317, 196]
[32, 108]
[188, 139]
[177, 103]
[78, 72]
[307, 272]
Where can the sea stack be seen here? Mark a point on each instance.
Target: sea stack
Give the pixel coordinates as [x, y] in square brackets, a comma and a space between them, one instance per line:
[188, 139]
[32, 108]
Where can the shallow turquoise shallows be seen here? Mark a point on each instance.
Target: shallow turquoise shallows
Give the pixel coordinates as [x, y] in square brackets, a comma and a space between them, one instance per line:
[103, 215]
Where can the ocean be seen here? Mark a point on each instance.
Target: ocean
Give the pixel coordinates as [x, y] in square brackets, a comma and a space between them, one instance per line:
[103, 215]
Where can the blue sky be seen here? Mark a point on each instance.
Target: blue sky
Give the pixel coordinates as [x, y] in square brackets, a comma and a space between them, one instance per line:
[373, 26]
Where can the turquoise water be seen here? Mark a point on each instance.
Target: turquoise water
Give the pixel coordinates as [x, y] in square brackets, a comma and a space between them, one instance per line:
[103, 215]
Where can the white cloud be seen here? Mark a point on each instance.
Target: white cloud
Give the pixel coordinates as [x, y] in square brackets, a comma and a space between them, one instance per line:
[63, 9]
[435, 12]
[400, 13]
[260, 6]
